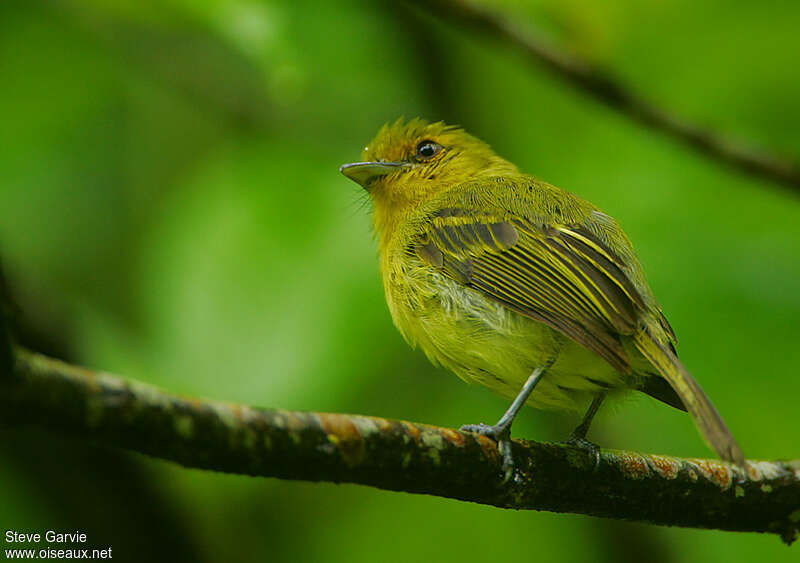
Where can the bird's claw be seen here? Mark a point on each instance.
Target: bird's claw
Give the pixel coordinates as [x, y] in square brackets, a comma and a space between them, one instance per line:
[502, 435]
[582, 443]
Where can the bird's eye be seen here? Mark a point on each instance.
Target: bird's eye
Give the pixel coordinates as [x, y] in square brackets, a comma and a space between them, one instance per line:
[428, 149]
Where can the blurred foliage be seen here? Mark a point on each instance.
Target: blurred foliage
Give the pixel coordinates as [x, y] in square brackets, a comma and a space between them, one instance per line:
[171, 211]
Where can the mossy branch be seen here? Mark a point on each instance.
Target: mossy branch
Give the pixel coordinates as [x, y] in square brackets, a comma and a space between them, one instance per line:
[602, 86]
[398, 455]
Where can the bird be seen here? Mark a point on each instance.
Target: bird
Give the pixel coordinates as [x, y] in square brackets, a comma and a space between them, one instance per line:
[516, 284]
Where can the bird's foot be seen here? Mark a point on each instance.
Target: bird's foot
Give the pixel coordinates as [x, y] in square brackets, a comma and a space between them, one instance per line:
[502, 435]
[576, 440]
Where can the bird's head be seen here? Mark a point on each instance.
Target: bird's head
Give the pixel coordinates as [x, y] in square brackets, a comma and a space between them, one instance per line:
[409, 162]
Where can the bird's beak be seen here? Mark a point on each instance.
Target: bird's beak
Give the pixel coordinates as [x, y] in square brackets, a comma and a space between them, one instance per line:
[365, 173]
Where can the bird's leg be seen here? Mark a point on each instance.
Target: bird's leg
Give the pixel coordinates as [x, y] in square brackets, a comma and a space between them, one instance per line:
[578, 436]
[502, 430]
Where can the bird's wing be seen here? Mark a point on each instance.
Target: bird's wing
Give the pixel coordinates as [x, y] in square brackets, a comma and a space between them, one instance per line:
[559, 274]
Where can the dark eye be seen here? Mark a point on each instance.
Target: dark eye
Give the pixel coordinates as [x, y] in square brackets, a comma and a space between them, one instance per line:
[428, 149]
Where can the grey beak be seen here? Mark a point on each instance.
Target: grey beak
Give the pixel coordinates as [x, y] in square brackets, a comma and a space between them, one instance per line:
[364, 173]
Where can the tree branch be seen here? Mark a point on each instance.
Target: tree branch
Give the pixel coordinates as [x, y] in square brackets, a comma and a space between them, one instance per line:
[606, 89]
[400, 456]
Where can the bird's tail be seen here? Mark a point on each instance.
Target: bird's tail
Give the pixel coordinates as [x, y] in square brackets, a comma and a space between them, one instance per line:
[706, 417]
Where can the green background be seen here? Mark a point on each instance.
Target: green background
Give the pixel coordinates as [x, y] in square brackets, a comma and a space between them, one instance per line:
[171, 210]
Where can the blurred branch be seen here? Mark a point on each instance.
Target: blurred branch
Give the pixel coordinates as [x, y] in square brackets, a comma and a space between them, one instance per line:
[603, 87]
[400, 456]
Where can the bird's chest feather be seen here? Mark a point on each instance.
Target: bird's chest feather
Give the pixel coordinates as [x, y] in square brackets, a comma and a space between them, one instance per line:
[460, 328]
[424, 303]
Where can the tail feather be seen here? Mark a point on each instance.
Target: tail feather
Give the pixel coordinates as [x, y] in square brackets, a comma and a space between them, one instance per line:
[706, 417]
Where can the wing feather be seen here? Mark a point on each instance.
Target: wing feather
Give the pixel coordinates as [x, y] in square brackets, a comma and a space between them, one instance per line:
[561, 275]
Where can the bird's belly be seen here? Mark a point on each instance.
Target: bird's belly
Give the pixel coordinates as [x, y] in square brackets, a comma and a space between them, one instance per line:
[484, 342]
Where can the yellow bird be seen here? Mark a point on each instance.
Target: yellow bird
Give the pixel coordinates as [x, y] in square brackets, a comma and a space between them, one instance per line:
[516, 284]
